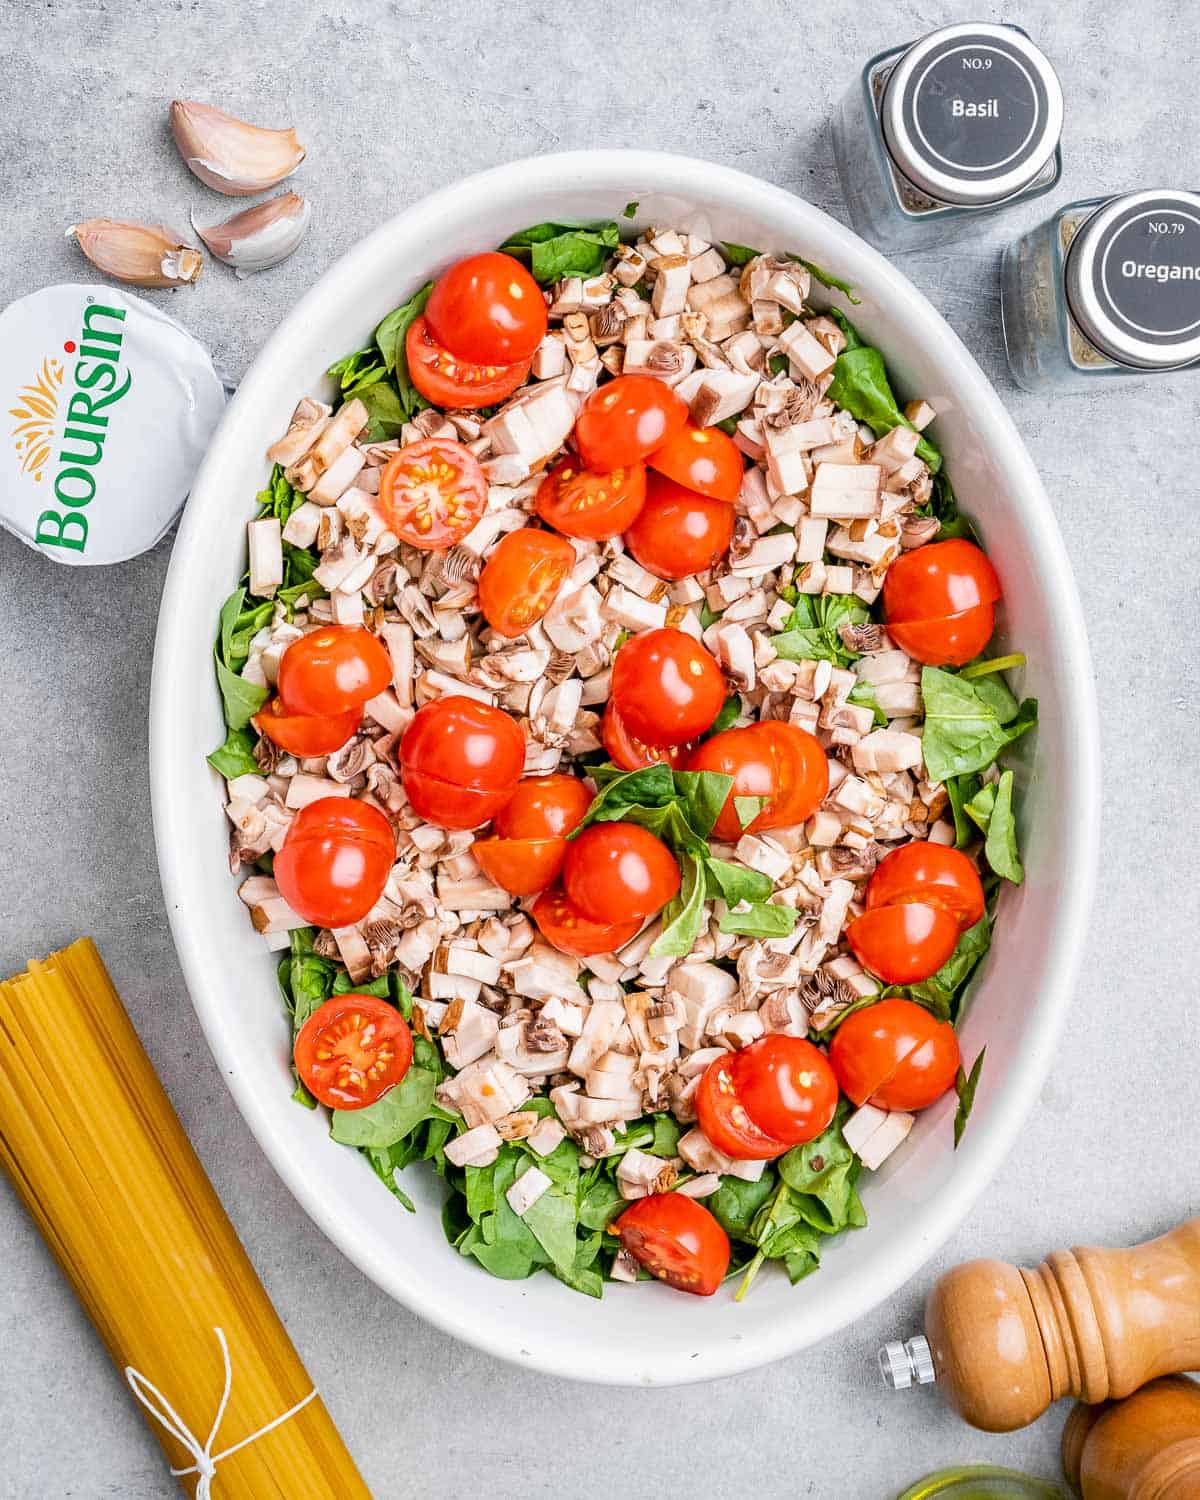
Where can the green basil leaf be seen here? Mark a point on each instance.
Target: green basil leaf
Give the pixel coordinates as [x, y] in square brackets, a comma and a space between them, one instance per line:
[964, 1087]
[766, 920]
[736, 883]
[963, 730]
[730, 712]
[684, 915]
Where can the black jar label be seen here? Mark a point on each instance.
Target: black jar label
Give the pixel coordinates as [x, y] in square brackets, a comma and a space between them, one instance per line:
[1146, 272]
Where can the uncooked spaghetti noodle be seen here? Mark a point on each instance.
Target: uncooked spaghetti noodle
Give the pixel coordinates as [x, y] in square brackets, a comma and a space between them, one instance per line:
[101, 1162]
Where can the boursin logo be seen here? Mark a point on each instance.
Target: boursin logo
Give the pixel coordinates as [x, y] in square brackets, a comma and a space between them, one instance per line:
[62, 424]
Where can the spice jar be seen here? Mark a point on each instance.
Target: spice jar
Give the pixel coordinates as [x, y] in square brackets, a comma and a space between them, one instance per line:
[1108, 286]
[963, 122]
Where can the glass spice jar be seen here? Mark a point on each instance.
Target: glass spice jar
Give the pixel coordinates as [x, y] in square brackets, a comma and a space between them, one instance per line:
[963, 122]
[1108, 286]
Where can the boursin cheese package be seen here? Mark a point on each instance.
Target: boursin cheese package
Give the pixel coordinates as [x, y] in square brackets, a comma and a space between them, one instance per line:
[108, 406]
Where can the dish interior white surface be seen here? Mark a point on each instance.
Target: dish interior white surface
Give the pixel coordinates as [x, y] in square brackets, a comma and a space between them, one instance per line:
[643, 1334]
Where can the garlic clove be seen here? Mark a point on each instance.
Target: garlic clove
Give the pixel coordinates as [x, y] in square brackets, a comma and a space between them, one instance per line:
[261, 236]
[230, 155]
[140, 254]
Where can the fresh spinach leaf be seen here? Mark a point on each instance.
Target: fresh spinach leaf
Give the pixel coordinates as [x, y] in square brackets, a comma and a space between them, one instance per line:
[1000, 847]
[393, 1116]
[942, 992]
[963, 730]
[386, 413]
[767, 919]
[235, 757]
[362, 368]
[828, 279]
[240, 700]
[279, 498]
[630, 209]
[736, 1204]
[730, 713]
[979, 808]
[738, 255]
[684, 916]
[961, 791]
[965, 1086]
[863, 694]
[556, 250]
[860, 385]
[389, 339]
[812, 634]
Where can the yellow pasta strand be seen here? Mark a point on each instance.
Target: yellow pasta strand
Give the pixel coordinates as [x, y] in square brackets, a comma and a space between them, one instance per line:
[104, 1168]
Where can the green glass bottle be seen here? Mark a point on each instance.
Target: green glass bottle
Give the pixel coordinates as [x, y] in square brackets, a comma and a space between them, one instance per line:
[981, 1482]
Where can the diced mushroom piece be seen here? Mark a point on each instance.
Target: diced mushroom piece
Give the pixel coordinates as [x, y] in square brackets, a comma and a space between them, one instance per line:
[873, 1134]
[272, 914]
[266, 556]
[806, 354]
[488, 1089]
[527, 1189]
[308, 421]
[354, 952]
[919, 414]
[600, 1027]
[478, 1147]
[574, 620]
[894, 449]
[338, 477]
[702, 988]
[546, 1136]
[671, 283]
[845, 491]
[714, 395]
[533, 425]
[765, 555]
[639, 1174]
[887, 750]
[703, 1186]
[468, 1032]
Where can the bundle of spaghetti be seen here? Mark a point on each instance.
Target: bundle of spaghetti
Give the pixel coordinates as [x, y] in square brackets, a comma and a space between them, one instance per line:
[103, 1166]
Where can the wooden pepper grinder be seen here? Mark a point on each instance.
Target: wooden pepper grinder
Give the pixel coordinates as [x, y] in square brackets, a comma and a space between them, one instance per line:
[1005, 1342]
[1146, 1447]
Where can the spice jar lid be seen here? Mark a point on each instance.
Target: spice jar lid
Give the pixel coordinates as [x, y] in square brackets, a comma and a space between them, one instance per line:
[111, 405]
[971, 114]
[1133, 279]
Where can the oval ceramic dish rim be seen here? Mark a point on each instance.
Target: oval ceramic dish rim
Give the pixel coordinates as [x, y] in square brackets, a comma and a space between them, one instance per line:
[988, 1140]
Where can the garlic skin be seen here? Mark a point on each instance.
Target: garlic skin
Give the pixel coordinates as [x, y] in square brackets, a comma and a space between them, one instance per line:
[230, 155]
[139, 254]
[259, 237]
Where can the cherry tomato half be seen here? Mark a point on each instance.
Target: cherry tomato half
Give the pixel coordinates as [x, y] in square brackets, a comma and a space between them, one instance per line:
[460, 761]
[676, 1239]
[939, 579]
[594, 507]
[487, 308]
[949, 642]
[352, 1050]
[932, 873]
[894, 1055]
[522, 867]
[630, 753]
[335, 861]
[903, 944]
[678, 533]
[703, 459]
[614, 871]
[786, 1086]
[571, 932]
[667, 687]
[303, 734]
[724, 1118]
[525, 571]
[453, 383]
[432, 493]
[544, 807]
[624, 420]
[333, 670]
[781, 762]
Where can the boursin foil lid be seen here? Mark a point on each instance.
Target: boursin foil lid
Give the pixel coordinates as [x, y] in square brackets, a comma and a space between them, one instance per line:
[108, 406]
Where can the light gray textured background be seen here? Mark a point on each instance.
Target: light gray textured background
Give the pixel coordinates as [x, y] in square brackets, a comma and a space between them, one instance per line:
[394, 99]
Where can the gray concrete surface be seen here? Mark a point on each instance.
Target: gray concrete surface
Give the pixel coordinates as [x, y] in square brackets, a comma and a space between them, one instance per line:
[394, 99]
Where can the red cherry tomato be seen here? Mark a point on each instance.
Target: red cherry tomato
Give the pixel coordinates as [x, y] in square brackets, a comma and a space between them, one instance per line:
[460, 761]
[903, 944]
[521, 866]
[949, 642]
[487, 308]
[781, 762]
[335, 861]
[939, 601]
[894, 1055]
[724, 1118]
[932, 873]
[544, 807]
[703, 459]
[630, 753]
[679, 533]
[939, 579]
[432, 493]
[623, 421]
[614, 871]
[593, 506]
[786, 1086]
[571, 932]
[302, 734]
[453, 383]
[676, 1239]
[521, 577]
[352, 1050]
[667, 687]
[332, 670]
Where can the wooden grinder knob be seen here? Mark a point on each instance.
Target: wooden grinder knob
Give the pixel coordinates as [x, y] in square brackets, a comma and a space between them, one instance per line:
[1146, 1447]
[1092, 1323]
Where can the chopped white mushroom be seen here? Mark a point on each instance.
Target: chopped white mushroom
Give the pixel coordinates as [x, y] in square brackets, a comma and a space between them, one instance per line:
[478, 1147]
[527, 1189]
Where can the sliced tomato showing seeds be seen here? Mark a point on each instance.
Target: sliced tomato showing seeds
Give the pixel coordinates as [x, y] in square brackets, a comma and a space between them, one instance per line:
[592, 506]
[631, 754]
[352, 1050]
[447, 381]
[724, 1120]
[677, 1240]
[571, 932]
[432, 493]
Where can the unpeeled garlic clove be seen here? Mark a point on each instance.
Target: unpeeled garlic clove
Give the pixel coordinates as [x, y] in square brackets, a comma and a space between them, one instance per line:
[261, 236]
[140, 254]
[230, 155]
